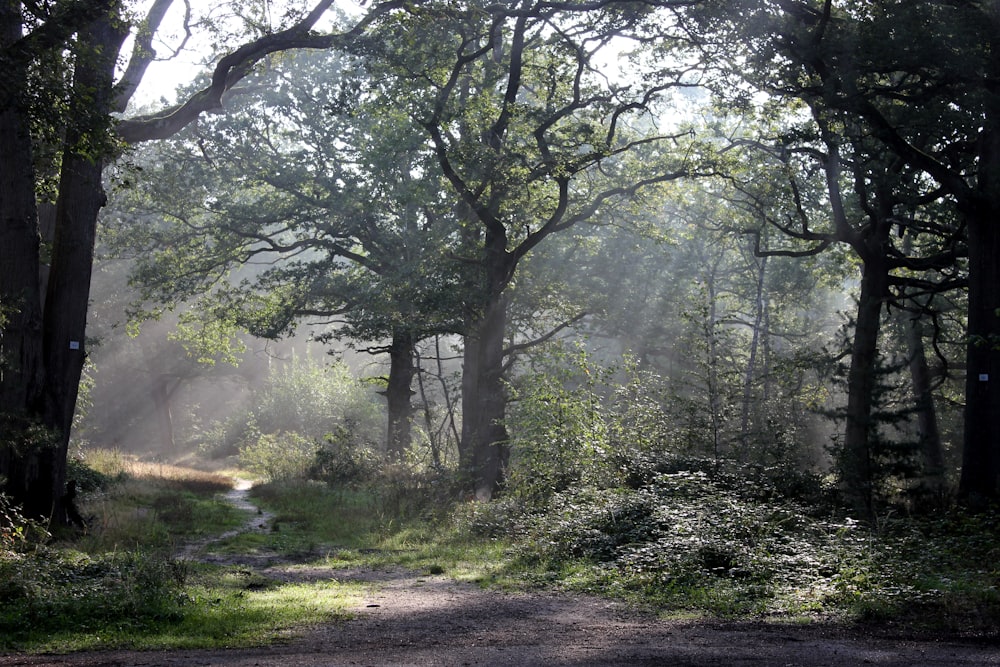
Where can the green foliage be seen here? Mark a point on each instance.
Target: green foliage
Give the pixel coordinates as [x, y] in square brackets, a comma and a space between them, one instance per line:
[17, 532]
[49, 590]
[314, 399]
[90, 479]
[688, 537]
[343, 461]
[279, 456]
[296, 408]
[558, 424]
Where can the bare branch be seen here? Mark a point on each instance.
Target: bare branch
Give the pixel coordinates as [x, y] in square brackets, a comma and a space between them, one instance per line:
[142, 54]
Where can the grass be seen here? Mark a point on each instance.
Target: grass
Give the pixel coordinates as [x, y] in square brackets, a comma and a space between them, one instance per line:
[153, 506]
[685, 545]
[116, 586]
[350, 528]
[214, 607]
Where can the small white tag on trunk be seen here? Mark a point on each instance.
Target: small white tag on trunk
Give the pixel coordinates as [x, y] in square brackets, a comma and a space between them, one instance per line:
[984, 377]
[74, 345]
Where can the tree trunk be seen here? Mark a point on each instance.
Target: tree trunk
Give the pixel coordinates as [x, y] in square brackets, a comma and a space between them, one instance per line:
[484, 400]
[928, 434]
[713, 376]
[760, 305]
[161, 403]
[856, 461]
[980, 480]
[28, 478]
[483, 451]
[470, 398]
[80, 199]
[398, 393]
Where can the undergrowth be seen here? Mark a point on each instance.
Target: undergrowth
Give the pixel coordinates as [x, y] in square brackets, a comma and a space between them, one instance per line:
[685, 541]
[116, 585]
[682, 537]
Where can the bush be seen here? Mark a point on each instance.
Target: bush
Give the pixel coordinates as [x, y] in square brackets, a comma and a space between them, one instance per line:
[279, 456]
[89, 479]
[343, 461]
[407, 493]
[303, 401]
[16, 530]
[49, 590]
[558, 425]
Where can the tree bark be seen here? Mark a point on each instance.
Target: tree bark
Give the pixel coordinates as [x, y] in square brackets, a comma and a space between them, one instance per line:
[980, 480]
[483, 451]
[81, 197]
[399, 392]
[928, 434]
[484, 401]
[856, 457]
[23, 460]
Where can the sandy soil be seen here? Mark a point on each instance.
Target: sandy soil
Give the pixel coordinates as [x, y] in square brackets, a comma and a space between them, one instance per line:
[408, 619]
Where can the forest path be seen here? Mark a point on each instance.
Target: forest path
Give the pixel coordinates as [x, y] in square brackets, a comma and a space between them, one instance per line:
[239, 497]
[408, 619]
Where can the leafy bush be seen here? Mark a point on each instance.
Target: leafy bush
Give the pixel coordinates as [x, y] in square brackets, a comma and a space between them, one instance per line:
[89, 479]
[279, 456]
[50, 590]
[16, 530]
[503, 517]
[343, 460]
[314, 399]
[558, 424]
[302, 402]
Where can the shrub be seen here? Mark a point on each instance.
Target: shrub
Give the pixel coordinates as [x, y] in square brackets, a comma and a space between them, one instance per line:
[558, 424]
[50, 590]
[343, 460]
[306, 399]
[279, 456]
[16, 530]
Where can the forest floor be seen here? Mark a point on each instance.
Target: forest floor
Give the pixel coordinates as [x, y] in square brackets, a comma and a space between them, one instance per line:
[406, 618]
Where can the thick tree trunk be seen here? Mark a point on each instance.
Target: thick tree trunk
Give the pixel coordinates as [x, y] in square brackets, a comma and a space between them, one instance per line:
[398, 393]
[23, 449]
[483, 450]
[80, 199]
[484, 401]
[980, 481]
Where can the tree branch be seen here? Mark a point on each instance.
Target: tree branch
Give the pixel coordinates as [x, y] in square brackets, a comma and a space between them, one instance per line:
[514, 349]
[236, 65]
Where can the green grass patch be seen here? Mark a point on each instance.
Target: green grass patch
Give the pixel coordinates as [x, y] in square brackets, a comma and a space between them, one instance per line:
[351, 528]
[151, 506]
[116, 585]
[198, 607]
